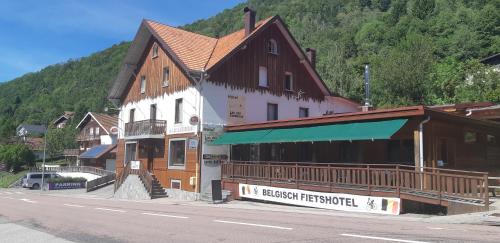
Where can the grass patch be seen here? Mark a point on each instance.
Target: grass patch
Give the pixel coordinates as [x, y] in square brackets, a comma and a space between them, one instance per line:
[7, 178]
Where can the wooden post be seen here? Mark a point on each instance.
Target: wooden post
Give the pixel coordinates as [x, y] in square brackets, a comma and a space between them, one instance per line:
[486, 193]
[369, 177]
[438, 184]
[297, 175]
[269, 169]
[398, 190]
[416, 146]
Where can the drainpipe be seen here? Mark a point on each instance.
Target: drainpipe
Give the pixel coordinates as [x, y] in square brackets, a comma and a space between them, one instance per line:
[421, 141]
[200, 139]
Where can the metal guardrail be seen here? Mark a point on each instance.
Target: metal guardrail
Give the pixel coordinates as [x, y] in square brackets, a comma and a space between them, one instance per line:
[100, 182]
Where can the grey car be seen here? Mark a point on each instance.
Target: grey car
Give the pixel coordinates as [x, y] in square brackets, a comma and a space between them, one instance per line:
[33, 180]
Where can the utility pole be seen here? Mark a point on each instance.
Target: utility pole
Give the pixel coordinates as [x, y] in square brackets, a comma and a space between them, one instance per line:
[44, 151]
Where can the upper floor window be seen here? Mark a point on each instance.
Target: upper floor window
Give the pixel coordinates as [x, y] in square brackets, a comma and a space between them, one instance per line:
[155, 51]
[470, 137]
[263, 76]
[152, 112]
[131, 115]
[303, 112]
[143, 84]
[272, 112]
[166, 75]
[97, 131]
[178, 111]
[91, 131]
[288, 81]
[272, 46]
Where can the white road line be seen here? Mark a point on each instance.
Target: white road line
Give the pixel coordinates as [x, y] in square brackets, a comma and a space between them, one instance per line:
[27, 200]
[112, 210]
[9, 198]
[73, 205]
[10, 193]
[382, 238]
[22, 193]
[250, 224]
[435, 228]
[166, 215]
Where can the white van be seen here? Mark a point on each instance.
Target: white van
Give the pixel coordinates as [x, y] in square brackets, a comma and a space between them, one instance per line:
[33, 180]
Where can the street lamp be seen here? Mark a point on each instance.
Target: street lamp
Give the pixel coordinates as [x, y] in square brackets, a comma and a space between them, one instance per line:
[44, 151]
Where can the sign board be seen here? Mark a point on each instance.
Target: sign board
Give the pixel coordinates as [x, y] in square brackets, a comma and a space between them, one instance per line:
[113, 130]
[214, 159]
[236, 109]
[193, 143]
[135, 164]
[193, 120]
[66, 185]
[336, 201]
[182, 129]
[216, 191]
[211, 133]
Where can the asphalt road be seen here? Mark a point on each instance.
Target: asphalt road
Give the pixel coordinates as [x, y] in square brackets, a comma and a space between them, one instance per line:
[108, 220]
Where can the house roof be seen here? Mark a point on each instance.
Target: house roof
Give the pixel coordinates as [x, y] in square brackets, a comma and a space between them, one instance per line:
[104, 120]
[66, 116]
[32, 129]
[34, 143]
[195, 53]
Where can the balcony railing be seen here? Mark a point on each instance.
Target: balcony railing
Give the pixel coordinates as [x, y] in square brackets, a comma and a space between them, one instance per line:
[87, 137]
[146, 128]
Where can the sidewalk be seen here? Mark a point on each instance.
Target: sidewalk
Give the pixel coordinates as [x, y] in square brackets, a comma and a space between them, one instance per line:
[11, 232]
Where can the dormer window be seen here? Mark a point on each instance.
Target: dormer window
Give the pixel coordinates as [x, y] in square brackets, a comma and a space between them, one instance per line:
[155, 51]
[272, 46]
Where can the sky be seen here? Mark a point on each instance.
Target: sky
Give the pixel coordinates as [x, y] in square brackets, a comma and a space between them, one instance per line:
[38, 33]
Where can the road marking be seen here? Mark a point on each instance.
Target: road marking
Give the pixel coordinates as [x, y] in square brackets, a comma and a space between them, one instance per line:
[112, 210]
[250, 224]
[22, 193]
[382, 238]
[435, 228]
[9, 198]
[27, 200]
[166, 215]
[10, 193]
[73, 205]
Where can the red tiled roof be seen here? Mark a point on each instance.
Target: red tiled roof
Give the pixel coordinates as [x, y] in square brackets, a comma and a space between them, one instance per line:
[105, 120]
[199, 52]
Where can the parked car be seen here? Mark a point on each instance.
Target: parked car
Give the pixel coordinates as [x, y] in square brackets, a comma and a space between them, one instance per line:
[33, 180]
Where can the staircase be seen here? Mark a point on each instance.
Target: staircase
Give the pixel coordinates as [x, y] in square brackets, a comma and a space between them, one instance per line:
[157, 190]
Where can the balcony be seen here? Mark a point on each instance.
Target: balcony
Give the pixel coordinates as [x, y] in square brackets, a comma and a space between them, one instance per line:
[87, 137]
[145, 129]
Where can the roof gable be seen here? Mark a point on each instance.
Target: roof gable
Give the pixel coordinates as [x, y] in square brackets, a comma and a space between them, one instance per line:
[106, 122]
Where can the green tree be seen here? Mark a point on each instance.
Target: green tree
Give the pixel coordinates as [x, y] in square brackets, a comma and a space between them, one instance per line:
[423, 8]
[60, 139]
[16, 155]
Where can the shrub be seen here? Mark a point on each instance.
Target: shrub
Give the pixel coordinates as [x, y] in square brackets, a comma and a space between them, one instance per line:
[66, 179]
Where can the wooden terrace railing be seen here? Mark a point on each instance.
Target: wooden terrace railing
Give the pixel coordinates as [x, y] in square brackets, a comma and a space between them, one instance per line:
[81, 169]
[441, 185]
[145, 128]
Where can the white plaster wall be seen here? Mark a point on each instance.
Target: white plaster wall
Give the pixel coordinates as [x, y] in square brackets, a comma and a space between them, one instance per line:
[107, 139]
[165, 106]
[215, 105]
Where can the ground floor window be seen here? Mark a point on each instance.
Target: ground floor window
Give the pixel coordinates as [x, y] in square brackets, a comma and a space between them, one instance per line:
[175, 184]
[177, 153]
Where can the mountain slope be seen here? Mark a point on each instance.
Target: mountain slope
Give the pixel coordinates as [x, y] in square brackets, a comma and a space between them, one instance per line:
[420, 52]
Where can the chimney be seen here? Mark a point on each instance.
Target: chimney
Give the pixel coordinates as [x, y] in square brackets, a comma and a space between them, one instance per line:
[367, 105]
[249, 20]
[311, 55]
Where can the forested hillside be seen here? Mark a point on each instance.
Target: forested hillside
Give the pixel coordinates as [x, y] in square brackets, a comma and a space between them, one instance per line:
[420, 51]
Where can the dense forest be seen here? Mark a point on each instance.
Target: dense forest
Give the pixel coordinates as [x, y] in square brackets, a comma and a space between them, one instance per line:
[420, 52]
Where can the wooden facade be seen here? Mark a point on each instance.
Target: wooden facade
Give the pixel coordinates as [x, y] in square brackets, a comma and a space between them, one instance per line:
[241, 71]
[85, 139]
[152, 68]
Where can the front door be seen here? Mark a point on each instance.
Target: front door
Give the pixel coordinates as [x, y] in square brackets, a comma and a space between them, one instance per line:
[150, 151]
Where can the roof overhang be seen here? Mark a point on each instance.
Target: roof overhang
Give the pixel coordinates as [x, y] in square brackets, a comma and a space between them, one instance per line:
[89, 114]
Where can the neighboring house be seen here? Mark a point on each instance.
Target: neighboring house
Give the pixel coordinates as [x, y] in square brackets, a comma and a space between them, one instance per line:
[177, 89]
[493, 61]
[36, 146]
[61, 121]
[27, 130]
[96, 140]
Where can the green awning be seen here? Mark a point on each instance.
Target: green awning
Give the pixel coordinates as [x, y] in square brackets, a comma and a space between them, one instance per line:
[335, 132]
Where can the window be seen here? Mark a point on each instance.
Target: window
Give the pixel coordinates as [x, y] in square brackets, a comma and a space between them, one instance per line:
[272, 46]
[152, 112]
[131, 115]
[491, 139]
[177, 153]
[288, 81]
[155, 51]
[175, 184]
[143, 84]
[262, 76]
[178, 111]
[130, 150]
[470, 137]
[91, 131]
[97, 131]
[272, 112]
[303, 112]
[166, 75]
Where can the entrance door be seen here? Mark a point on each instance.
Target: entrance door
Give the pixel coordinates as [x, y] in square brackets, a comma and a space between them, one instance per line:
[150, 151]
[445, 153]
[130, 150]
